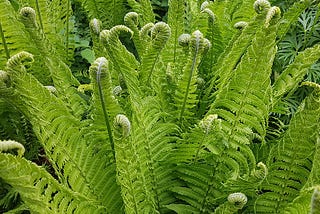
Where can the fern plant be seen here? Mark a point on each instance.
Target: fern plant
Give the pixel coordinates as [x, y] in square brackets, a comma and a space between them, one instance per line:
[185, 124]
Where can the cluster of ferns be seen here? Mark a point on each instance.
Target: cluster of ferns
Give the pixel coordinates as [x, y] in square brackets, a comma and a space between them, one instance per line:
[187, 121]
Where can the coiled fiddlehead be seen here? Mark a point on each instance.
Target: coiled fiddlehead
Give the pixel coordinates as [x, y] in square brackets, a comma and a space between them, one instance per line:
[99, 69]
[122, 126]
[315, 201]
[238, 199]
[52, 89]
[22, 57]
[131, 19]
[262, 172]
[105, 35]
[261, 5]
[28, 17]
[240, 25]
[208, 122]
[204, 9]
[160, 34]
[184, 39]
[272, 12]
[95, 26]
[117, 90]
[10, 144]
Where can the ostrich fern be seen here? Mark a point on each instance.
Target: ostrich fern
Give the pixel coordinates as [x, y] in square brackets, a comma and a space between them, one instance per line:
[180, 126]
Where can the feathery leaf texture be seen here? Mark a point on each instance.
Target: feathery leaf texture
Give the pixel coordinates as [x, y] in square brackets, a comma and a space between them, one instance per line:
[291, 160]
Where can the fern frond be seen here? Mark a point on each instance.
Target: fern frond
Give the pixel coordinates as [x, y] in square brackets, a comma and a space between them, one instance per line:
[144, 9]
[110, 12]
[160, 34]
[246, 102]
[291, 160]
[290, 16]
[146, 154]
[185, 95]
[124, 62]
[75, 161]
[40, 191]
[294, 73]
[176, 14]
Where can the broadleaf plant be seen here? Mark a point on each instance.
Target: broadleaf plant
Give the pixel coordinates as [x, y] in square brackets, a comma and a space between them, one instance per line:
[186, 118]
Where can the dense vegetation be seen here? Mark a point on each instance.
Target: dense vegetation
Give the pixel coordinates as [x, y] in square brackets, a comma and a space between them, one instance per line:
[144, 106]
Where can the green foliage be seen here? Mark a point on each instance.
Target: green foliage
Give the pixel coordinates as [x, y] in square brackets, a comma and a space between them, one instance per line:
[202, 114]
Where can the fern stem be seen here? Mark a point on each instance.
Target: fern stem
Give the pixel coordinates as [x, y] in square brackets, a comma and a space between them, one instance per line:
[67, 29]
[189, 80]
[5, 46]
[105, 113]
[39, 14]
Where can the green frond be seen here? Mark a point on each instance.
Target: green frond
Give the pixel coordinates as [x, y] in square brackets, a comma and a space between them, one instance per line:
[230, 58]
[243, 106]
[124, 62]
[176, 14]
[54, 21]
[291, 159]
[294, 73]
[104, 105]
[40, 192]
[75, 159]
[160, 33]
[143, 159]
[144, 9]
[290, 17]
[300, 204]
[185, 95]
[110, 12]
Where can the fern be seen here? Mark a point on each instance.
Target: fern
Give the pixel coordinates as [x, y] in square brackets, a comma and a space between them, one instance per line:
[291, 160]
[40, 191]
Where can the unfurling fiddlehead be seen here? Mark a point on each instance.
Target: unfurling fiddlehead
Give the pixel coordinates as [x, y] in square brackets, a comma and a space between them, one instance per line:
[240, 25]
[95, 26]
[261, 5]
[207, 124]
[22, 57]
[272, 12]
[204, 9]
[262, 172]
[105, 35]
[238, 199]
[10, 144]
[184, 39]
[122, 126]
[198, 45]
[28, 17]
[315, 201]
[131, 19]
[99, 69]
[52, 89]
[117, 90]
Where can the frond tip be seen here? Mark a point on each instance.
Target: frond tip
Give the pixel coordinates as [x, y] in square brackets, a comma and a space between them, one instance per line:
[238, 199]
[22, 57]
[261, 5]
[184, 39]
[240, 25]
[131, 19]
[10, 144]
[122, 125]
[272, 12]
[95, 26]
[315, 201]
[29, 15]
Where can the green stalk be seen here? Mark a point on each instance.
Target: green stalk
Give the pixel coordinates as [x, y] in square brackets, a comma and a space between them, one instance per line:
[105, 113]
[39, 14]
[189, 79]
[4, 42]
[67, 29]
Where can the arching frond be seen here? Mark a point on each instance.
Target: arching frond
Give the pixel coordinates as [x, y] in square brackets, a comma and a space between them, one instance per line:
[40, 192]
[291, 160]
